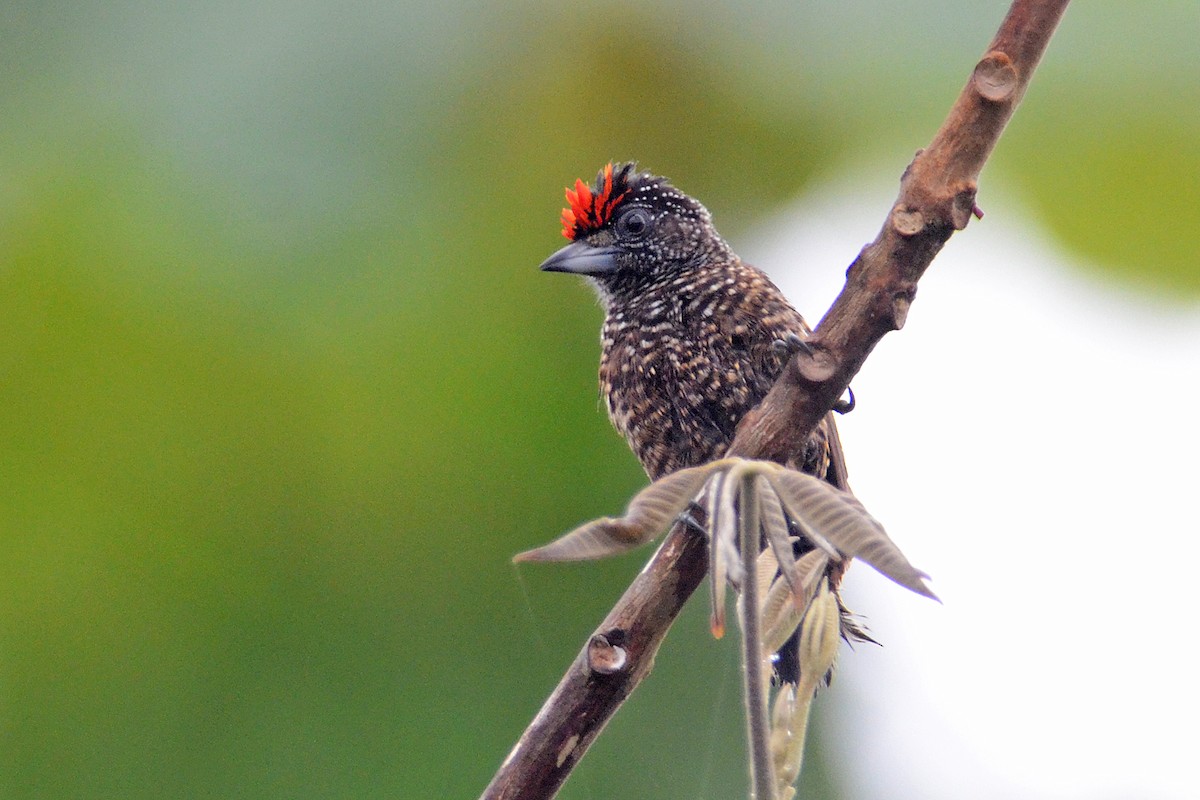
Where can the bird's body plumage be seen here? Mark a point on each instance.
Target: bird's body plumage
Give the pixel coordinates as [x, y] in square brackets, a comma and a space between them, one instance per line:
[681, 366]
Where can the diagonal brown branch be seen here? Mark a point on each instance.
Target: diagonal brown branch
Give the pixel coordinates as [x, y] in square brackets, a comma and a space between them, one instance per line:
[937, 197]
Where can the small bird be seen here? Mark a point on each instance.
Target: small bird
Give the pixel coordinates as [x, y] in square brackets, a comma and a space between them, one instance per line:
[693, 337]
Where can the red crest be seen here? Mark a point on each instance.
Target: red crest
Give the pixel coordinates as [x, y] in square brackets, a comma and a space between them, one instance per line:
[591, 207]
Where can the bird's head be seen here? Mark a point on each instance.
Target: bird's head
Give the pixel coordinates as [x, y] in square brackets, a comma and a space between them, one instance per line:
[632, 230]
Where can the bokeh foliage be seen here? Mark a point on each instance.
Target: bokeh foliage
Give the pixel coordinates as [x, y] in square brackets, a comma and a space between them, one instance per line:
[281, 390]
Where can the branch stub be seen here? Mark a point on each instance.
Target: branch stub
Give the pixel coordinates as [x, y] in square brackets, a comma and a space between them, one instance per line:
[907, 222]
[995, 77]
[604, 657]
[963, 207]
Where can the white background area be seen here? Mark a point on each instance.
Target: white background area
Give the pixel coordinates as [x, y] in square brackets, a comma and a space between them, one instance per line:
[1030, 440]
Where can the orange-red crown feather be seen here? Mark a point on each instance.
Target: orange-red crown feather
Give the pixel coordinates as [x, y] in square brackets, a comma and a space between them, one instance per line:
[592, 207]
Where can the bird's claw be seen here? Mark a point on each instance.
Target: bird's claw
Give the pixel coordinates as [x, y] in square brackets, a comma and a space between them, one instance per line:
[689, 519]
[790, 345]
[845, 406]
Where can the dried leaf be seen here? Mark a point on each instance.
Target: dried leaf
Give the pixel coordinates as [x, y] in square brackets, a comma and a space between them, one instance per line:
[836, 518]
[650, 512]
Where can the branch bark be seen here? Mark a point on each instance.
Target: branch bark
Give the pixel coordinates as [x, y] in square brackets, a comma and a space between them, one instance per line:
[937, 197]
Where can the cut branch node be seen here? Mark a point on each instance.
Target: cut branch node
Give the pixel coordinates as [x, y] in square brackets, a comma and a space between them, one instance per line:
[995, 77]
[814, 369]
[908, 222]
[604, 656]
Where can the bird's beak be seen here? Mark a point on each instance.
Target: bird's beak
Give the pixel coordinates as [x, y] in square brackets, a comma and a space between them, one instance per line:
[580, 258]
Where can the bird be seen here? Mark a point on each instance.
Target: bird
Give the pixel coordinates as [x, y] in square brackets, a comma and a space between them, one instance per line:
[693, 337]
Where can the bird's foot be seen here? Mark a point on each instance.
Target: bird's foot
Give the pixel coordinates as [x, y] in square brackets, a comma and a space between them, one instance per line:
[790, 345]
[689, 519]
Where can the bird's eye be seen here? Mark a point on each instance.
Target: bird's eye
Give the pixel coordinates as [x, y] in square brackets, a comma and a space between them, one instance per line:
[633, 224]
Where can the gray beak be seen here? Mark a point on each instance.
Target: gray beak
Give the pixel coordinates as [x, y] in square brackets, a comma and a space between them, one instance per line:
[579, 258]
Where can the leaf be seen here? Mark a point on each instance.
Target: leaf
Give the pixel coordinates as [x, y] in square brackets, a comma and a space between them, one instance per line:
[783, 740]
[819, 635]
[724, 560]
[775, 528]
[767, 571]
[650, 513]
[717, 560]
[837, 518]
[728, 527]
[780, 617]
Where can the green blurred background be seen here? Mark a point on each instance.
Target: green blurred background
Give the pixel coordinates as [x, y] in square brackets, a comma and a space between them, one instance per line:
[281, 389]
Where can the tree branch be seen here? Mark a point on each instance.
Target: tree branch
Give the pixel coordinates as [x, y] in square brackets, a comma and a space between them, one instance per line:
[937, 197]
